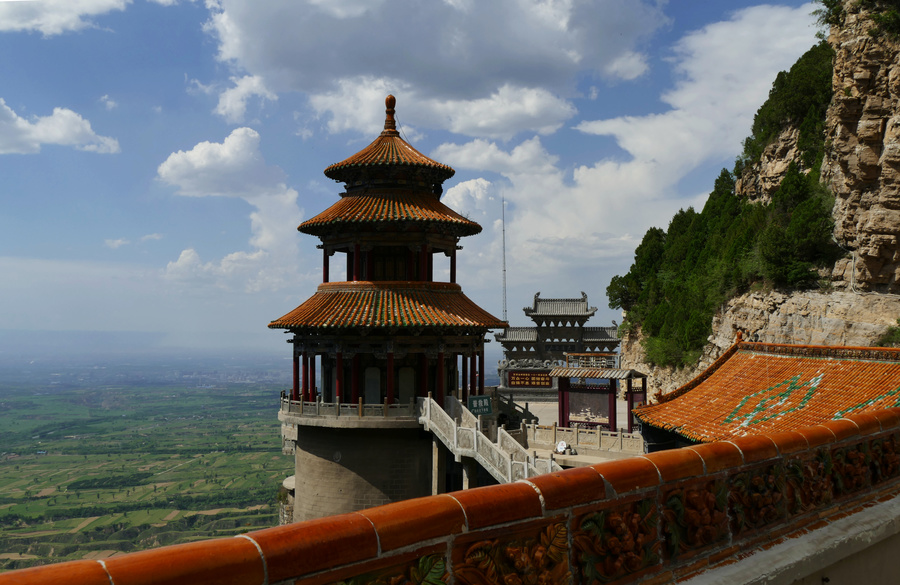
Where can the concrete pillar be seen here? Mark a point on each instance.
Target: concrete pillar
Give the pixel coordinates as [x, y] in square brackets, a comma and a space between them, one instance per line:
[438, 467]
[470, 473]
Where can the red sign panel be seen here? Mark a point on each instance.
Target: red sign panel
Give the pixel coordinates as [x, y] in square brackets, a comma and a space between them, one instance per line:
[529, 379]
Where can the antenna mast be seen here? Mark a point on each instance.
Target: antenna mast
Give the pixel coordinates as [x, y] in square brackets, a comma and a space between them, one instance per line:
[503, 223]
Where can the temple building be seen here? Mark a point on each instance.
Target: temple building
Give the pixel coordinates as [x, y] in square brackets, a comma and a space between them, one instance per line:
[530, 353]
[386, 334]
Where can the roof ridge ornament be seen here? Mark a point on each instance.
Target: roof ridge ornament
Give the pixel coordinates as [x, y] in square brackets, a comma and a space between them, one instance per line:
[390, 126]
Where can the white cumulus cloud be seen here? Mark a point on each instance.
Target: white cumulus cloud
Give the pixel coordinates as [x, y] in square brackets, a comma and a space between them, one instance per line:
[233, 101]
[236, 168]
[63, 127]
[53, 17]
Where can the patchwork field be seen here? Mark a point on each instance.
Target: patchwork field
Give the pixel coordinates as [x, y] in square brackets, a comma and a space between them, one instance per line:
[93, 472]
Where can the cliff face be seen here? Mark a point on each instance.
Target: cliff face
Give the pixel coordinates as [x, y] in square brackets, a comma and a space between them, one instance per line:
[862, 161]
[862, 170]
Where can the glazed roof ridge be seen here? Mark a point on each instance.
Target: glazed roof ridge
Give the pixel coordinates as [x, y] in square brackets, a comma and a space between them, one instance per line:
[387, 151]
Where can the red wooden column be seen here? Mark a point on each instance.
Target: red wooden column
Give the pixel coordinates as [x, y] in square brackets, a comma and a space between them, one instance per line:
[440, 378]
[423, 263]
[481, 372]
[473, 374]
[562, 414]
[390, 376]
[613, 423]
[339, 380]
[453, 265]
[295, 390]
[354, 379]
[423, 375]
[355, 262]
[324, 264]
[312, 375]
[464, 379]
[305, 367]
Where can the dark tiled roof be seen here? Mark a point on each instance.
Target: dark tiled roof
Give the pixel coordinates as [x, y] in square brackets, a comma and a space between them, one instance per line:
[595, 373]
[376, 206]
[759, 388]
[517, 334]
[560, 307]
[601, 334]
[388, 304]
[388, 151]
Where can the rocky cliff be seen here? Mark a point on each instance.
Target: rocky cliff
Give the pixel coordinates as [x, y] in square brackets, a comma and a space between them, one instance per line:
[861, 168]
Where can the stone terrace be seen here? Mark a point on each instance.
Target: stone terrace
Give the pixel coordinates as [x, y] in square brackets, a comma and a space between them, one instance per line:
[701, 513]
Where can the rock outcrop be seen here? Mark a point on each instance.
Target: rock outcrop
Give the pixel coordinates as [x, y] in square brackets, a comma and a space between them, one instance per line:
[862, 170]
[862, 159]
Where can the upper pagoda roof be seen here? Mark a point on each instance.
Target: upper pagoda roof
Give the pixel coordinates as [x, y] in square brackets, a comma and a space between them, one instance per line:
[757, 388]
[389, 157]
[377, 206]
[338, 305]
[560, 307]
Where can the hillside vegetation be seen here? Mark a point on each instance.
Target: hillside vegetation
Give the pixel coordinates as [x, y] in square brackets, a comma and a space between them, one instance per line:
[681, 275]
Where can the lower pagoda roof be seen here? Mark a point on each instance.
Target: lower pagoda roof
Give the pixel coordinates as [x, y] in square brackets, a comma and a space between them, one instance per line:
[341, 305]
[758, 388]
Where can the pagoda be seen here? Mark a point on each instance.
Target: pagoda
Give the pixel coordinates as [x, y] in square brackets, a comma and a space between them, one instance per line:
[384, 335]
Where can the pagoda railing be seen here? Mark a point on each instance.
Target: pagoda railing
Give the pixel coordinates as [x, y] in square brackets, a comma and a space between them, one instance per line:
[319, 408]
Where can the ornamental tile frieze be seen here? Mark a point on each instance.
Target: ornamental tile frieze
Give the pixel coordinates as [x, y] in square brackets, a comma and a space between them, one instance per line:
[615, 543]
[756, 498]
[695, 516]
[539, 556]
[885, 458]
[850, 469]
[808, 484]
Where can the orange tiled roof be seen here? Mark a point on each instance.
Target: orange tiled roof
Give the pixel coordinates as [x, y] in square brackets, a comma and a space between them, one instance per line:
[388, 205]
[765, 388]
[388, 304]
[388, 150]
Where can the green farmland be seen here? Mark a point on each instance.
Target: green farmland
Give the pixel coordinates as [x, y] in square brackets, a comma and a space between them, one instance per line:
[91, 472]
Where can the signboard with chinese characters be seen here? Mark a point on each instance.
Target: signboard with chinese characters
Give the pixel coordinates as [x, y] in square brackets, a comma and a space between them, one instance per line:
[480, 405]
[529, 379]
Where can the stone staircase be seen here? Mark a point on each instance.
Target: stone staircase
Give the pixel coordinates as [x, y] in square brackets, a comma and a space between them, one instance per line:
[461, 432]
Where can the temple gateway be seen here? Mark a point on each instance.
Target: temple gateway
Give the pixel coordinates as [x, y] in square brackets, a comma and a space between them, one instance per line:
[530, 353]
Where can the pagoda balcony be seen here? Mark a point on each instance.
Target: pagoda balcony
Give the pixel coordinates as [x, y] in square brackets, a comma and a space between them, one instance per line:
[348, 415]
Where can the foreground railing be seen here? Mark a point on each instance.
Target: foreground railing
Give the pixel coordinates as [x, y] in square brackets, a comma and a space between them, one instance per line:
[658, 518]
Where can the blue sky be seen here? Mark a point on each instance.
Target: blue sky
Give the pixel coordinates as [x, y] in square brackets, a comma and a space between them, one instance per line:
[157, 156]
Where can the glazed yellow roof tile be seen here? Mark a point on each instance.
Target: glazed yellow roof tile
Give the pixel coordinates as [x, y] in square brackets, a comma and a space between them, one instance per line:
[388, 304]
[765, 388]
[389, 149]
[389, 205]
